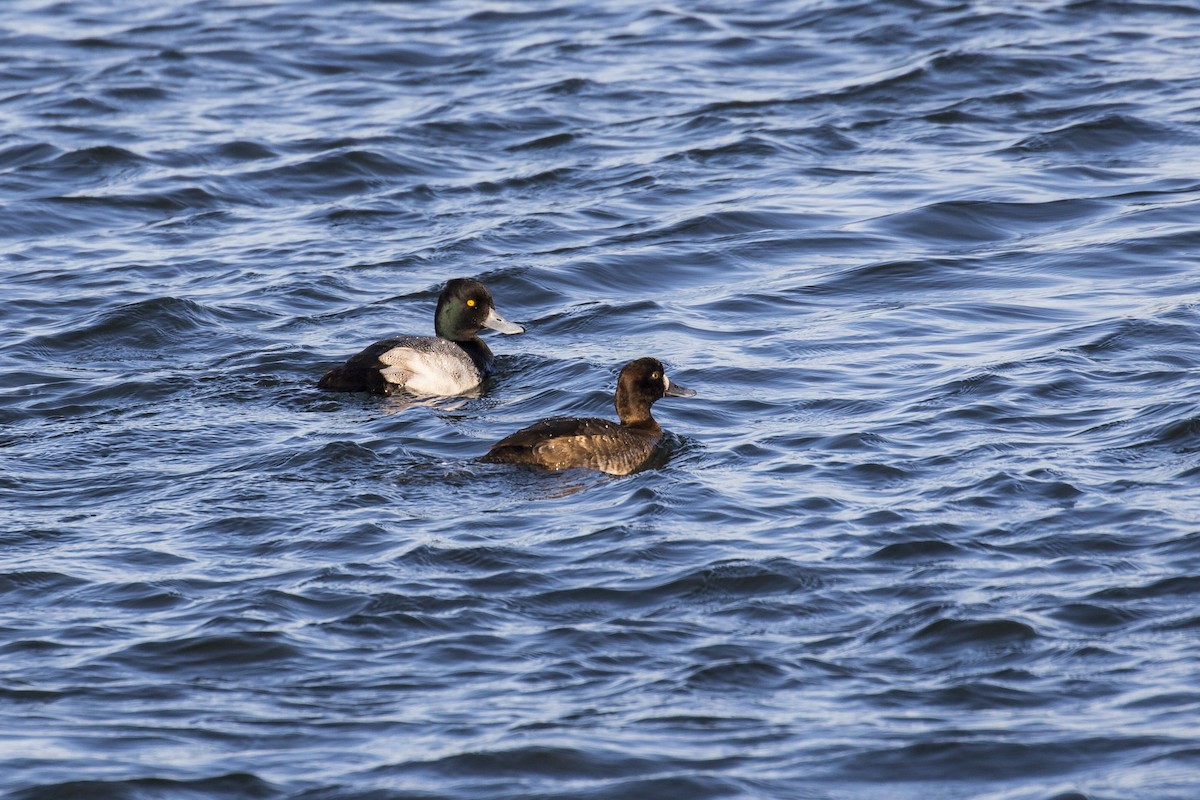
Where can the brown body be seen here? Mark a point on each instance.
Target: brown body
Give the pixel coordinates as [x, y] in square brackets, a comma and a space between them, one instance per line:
[589, 442]
[593, 443]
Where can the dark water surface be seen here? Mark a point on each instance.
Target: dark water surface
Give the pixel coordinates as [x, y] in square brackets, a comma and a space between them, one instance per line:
[930, 529]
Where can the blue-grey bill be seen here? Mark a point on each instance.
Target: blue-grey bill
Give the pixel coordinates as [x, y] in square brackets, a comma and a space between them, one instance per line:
[675, 390]
[499, 323]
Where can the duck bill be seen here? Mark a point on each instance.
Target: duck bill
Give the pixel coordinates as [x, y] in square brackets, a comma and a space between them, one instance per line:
[675, 390]
[499, 323]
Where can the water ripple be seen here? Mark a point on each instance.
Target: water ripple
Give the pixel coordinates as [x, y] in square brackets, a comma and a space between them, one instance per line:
[929, 523]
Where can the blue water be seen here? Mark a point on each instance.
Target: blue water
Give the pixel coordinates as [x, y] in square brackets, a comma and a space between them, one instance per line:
[929, 530]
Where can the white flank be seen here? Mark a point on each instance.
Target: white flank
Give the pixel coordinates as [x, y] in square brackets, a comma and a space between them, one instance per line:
[437, 371]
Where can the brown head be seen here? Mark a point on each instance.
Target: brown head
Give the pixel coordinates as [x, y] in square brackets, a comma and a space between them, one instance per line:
[639, 385]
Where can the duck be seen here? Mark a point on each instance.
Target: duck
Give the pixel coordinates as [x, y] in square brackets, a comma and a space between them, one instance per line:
[560, 443]
[454, 361]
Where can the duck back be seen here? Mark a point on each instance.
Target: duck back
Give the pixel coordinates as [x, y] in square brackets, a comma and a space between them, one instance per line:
[361, 373]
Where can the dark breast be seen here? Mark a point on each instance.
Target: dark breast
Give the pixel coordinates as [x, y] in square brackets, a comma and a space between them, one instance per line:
[570, 442]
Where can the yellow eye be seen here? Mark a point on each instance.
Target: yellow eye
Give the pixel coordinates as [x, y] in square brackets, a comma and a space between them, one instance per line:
[471, 303]
[654, 375]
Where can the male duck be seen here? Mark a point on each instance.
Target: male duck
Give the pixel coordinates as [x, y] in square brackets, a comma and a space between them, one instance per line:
[453, 362]
[600, 444]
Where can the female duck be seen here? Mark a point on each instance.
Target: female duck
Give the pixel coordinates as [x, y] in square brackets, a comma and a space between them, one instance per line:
[450, 363]
[567, 442]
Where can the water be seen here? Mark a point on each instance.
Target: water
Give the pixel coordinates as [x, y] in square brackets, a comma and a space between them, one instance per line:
[928, 530]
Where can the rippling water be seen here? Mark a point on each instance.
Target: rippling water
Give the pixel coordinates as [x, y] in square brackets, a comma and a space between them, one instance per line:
[929, 530]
